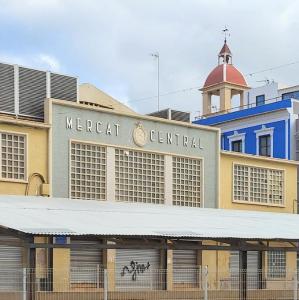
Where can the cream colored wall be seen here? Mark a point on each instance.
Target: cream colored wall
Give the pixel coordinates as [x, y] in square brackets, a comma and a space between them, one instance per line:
[37, 158]
[61, 269]
[226, 197]
[226, 182]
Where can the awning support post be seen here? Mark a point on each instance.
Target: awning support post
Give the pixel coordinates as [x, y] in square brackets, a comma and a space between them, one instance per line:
[242, 275]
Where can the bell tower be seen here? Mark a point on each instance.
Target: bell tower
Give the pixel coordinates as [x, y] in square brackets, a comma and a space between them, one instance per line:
[224, 81]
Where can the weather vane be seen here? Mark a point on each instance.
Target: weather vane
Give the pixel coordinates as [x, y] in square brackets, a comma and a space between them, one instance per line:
[226, 33]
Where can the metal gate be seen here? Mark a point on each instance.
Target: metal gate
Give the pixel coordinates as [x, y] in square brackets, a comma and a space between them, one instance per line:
[137, 268]
[86, 262]
[185, 266]
[252, 267]
[11, 272]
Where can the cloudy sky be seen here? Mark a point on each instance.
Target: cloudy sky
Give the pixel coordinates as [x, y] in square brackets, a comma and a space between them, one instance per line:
[108, 43]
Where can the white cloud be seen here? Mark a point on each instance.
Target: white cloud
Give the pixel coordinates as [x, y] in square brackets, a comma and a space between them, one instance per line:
[49, 62]
[38, 61]
[108, 42]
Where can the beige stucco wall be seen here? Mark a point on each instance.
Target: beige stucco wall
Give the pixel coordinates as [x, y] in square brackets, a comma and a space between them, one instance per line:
[37, 158]
[227, 160]
[226, 182]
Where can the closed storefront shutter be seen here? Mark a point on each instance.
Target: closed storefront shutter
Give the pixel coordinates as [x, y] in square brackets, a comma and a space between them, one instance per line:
[185, 266]
[86, 263]
[11, 272]
[138, 268]
[252, 268]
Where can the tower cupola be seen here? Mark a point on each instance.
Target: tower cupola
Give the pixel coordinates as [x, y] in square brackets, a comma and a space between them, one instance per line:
[224, 81]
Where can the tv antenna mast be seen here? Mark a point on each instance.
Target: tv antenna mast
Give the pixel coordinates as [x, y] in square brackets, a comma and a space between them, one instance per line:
[156, 56]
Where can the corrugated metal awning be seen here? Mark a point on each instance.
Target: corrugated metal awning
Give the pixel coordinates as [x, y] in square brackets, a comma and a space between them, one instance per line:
[58, 216]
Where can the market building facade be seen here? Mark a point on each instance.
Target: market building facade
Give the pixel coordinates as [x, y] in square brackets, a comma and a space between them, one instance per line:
[86, 145]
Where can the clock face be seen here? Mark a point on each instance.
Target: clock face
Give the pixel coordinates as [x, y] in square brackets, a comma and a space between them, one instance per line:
[139, 136]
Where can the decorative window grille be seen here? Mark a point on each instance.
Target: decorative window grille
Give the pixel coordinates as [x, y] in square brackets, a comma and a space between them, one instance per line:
[276, 264]
[88, 171]
[258, 185]
[139, 176]
[13, 156]
[186, 181]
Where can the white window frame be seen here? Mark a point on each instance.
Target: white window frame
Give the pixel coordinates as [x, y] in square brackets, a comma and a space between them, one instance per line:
[25, 135]
[261, 132]
[237, 137]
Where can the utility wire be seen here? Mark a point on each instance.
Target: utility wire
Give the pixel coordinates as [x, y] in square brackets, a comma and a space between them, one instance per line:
[198, 87]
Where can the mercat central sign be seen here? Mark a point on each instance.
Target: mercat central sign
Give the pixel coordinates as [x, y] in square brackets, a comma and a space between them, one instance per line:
[141, 136]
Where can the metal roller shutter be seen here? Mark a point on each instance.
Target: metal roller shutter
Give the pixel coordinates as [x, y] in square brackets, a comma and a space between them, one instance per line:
[86, 263]
[7, 96]
[138, 268]
[252, 267]
[11, 272]
[185, 266]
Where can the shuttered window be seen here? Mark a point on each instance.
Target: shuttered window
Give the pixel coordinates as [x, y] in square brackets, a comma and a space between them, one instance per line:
[252, 269]
[11, 273]
[138, 268]
[86, 263]
[13, 156]
[185, 268]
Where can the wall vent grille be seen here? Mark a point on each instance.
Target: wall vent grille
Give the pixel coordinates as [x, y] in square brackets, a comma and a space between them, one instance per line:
[63, 87]
[32, 89]
[7, 103]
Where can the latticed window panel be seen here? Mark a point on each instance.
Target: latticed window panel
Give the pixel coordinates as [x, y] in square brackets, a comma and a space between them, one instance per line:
[186, 181]
[241, 183]
[13, 156]
[258, 185]
[88, 171]
[276, 264]
[139, 176]
[276, 180]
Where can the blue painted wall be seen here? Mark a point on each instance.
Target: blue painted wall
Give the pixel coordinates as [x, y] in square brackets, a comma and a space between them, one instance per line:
[279, 138]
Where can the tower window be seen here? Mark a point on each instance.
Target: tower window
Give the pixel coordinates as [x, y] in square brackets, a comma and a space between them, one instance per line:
[237, 146]
[260, 100]
[265, 145]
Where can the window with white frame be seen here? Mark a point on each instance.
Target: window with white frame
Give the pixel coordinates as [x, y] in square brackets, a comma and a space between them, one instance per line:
[186, 181]
[88, 171]
[139, 176]
[264, 141]
[13, 156]
[276, 264]
[237, 142]
[237, 146]
[258, 185]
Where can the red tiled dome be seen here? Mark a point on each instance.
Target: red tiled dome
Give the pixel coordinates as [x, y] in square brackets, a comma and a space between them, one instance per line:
[225, 73]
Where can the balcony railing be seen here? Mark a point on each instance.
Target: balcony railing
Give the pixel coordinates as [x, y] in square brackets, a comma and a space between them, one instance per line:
[238, 108]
